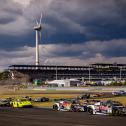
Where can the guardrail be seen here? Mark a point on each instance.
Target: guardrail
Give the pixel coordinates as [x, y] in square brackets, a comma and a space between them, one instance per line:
[79, 88]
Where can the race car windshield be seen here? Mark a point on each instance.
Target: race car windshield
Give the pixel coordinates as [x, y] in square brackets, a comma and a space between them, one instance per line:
[23, 100]
[117, 104]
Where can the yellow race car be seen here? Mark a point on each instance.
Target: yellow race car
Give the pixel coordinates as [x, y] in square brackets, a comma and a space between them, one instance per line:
[21, 103]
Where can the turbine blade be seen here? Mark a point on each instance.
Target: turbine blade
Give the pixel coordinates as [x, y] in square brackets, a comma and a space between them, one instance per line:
[36, 22]
[40, 19]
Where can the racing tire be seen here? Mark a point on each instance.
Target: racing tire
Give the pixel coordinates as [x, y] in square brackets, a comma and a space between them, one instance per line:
[55, 107]
[72, 108]
[90, 111]
[115, 113]
[17, 105]
[12, 105]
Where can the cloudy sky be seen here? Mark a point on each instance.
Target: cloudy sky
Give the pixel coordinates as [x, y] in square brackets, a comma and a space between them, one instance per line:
[75, 32]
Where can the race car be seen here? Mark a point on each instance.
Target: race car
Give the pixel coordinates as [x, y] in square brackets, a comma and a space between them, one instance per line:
[41, 99]
[97, 95]
[68, 106]
[27, 97]
[21, 103]
[4, 103]
[107, 108]
[119, 93]
[84, 96]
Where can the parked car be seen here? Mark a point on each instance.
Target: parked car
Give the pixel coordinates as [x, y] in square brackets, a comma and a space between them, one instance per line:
[107, 108]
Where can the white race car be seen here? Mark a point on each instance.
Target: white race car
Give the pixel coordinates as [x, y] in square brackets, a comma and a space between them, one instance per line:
[119, 93]
[68, 106]
[107, 108]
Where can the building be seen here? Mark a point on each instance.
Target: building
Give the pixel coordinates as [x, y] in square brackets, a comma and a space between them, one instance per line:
[64, 83]
[93, 72]
[58, 83]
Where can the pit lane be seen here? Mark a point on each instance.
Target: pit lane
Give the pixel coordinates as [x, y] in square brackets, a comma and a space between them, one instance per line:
[48, 117]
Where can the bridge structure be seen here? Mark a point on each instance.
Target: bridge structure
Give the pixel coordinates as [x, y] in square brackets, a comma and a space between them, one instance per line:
[93, 72]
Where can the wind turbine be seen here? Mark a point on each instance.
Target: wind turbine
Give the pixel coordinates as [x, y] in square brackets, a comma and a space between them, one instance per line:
[38, 29]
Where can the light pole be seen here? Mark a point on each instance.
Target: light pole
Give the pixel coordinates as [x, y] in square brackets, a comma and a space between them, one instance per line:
[120, 73]
[56, 72]
[89, 74]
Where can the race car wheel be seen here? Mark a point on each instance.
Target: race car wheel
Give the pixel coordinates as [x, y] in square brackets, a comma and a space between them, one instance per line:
[90, 111]
[115, 113]
[73, 109]
[55, 107]
[17, 105]
[12, 105]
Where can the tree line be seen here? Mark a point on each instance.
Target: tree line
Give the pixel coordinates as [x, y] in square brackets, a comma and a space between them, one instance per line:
[4, 75]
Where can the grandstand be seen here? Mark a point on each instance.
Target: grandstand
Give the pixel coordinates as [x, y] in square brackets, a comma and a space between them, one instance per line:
[93, 72]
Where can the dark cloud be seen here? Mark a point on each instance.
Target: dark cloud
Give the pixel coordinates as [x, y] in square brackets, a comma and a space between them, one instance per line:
[4, 21]
[98, 20]
[121, 8]
[89, 49]
[9, 11]
[83, 29]
[12, 42]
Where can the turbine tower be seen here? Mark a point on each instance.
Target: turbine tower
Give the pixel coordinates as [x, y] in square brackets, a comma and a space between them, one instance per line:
[38, 29]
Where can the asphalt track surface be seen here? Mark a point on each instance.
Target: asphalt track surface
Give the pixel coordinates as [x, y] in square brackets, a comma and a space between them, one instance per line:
[47, 117]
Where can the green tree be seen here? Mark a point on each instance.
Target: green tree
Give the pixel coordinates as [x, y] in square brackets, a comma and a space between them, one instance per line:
[4, 75]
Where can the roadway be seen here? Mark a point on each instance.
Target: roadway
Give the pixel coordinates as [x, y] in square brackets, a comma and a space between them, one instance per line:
[47, 117]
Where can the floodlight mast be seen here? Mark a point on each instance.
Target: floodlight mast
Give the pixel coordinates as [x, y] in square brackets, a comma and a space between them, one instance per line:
[38, 29]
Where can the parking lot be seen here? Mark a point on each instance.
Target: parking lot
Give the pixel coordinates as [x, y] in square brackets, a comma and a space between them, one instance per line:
[48, 117]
